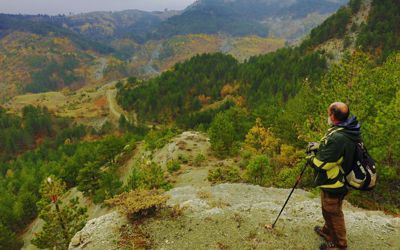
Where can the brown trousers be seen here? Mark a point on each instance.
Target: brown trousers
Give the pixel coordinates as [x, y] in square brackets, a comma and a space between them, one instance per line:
[334, 219]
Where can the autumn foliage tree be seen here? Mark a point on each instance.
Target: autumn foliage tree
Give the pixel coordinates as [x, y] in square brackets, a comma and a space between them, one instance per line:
[261, 140]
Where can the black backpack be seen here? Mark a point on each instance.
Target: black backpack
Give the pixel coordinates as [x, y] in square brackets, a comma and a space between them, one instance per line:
[363, 174]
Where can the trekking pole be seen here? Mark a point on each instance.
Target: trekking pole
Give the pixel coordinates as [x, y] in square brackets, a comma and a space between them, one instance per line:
[295, 185]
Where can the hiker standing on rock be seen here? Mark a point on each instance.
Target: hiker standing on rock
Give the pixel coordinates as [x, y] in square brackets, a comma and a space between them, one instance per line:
[329, 158]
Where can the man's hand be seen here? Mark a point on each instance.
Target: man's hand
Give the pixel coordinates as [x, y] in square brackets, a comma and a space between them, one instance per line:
[311, 150]
[310, 156]
[312, 147]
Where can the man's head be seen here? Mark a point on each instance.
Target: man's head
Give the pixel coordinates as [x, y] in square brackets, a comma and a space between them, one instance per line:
[338, 112]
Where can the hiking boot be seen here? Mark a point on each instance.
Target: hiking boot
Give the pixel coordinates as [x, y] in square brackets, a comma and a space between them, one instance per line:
[331, 246]
[320, 231]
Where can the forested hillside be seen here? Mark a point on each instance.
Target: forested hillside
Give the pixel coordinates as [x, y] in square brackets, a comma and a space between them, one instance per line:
[209, 78]
[38, 145]
[26, 145]
[380, 35]
[19, 134]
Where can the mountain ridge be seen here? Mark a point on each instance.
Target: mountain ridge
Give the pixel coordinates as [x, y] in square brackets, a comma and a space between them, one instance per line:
[242, 14]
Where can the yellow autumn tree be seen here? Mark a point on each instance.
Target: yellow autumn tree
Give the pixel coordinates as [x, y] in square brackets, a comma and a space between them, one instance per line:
[288, 156]
[226, 90]
[204, 100]
[261, 140]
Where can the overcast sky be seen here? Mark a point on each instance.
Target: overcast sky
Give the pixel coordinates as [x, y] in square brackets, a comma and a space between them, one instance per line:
[53, 7]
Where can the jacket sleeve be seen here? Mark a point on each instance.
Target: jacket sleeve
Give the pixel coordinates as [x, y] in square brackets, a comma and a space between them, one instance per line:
[330, 154]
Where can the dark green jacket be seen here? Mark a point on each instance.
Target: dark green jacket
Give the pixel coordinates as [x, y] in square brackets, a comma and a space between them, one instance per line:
[336, 155]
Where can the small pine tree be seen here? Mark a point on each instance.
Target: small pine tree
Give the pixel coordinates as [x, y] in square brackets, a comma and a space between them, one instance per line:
[222, 134]
[122, 122]
[61, 221]
[89, 178]
[109, 148]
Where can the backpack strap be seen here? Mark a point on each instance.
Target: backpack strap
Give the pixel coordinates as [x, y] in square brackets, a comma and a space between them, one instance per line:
[331, 131]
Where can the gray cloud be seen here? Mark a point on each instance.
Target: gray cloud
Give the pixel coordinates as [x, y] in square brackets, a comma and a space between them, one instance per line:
[53, 7]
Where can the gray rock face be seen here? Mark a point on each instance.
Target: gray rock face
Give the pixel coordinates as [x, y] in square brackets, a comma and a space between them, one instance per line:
[99, 233]
[234, 215]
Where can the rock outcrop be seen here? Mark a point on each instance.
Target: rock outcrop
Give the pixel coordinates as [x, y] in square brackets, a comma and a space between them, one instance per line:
[100, 233]
[232, 216]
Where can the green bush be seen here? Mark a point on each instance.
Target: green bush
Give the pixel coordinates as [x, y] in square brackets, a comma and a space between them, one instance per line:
[183, 159]
[227, 130]
[159, 138]
[388, 173]
[200, 158]
[154, 176]
[224, 174]
[147, 174]
[258, 170]
[139, 203]
[135, 179]
[173, 166]
[286, 178]
[8, 240]
[110, 186]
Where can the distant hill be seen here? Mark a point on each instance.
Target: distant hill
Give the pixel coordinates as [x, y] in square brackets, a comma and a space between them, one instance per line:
[108, 26]
[39, 63]
[254, 17]
[289, 19]
[158, 56]
[43, 25]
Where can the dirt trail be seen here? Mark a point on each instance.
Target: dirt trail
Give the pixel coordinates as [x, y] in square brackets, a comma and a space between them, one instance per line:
[114, 108]
[116, 111]
[195, 177]
[187, 147]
